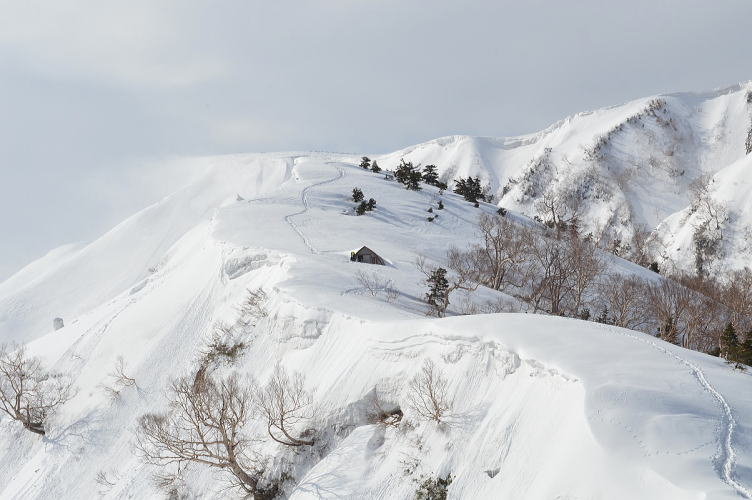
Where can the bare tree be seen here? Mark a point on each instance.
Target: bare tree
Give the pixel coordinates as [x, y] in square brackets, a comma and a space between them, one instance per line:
[708, 208]
[497, 261]
[286, 404]
[28, 393]
[204, 426]
[119, 380]
[586, 265]
[559, 211]
[705, 320]
[669, 303]
[551, 276]
[623, 297]
[427, 392]
[737, 296]
[640, 245]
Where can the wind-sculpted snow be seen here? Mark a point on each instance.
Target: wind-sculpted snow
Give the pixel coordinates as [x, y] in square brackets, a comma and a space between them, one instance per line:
[258, 251]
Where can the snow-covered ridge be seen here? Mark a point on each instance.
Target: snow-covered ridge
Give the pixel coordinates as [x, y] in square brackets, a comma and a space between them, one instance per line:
[627, 168]
[542, 407]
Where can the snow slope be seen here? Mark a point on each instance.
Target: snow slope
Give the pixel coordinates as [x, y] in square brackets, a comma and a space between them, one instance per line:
[542, 407]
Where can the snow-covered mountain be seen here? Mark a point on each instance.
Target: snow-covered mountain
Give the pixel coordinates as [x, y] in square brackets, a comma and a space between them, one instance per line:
[541, 407]
[624, 170]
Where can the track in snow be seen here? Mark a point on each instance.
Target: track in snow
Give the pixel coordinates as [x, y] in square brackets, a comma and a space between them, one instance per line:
[726, 459]
[304, 200]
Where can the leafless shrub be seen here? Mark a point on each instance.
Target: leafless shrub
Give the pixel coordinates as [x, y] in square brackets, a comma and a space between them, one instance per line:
[427, 393]
[223, 346]
[374, 284]
[28, 393]
[204, 426]
[391, 294]
[253, 308]
[118, 380]
[467, 307]
[501, 305]
[286, 405]
[104, 482]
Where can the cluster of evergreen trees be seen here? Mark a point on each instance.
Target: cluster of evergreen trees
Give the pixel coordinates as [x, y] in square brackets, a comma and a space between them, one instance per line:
[408, 175]
[472, 190]
[431, 177]
[367, 164]
[411, 176]
[364, 206]
[735, 351]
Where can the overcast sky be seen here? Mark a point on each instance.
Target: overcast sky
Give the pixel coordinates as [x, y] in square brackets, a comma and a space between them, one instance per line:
[100, 100]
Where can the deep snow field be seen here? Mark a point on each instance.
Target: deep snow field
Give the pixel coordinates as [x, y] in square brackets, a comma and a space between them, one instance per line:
[542, 407]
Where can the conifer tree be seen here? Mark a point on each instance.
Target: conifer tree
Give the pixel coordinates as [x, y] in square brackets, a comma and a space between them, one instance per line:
[370, 204]
[438, 291]
[357, 195]
[441, 205]
[365, 162]
[745, 350]
[430, 175]
[375, 167]
[413, 181]
[362, 208]
[403, 171]
[470, 189]
[408, 175]
[730, 344]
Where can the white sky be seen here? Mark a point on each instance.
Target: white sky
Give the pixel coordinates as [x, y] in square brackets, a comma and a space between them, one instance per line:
[98, 98]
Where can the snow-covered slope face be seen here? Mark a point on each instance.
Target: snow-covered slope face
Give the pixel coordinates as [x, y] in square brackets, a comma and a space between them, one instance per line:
[619, 170]
[541, 407]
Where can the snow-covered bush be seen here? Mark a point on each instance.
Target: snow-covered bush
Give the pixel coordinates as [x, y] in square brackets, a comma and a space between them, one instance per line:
[433, 488]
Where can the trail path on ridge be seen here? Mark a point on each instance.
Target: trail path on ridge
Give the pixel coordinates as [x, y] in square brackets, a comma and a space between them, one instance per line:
[306, 206]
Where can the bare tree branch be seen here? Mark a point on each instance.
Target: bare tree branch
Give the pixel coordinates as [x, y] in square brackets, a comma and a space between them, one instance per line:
[286, 404]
